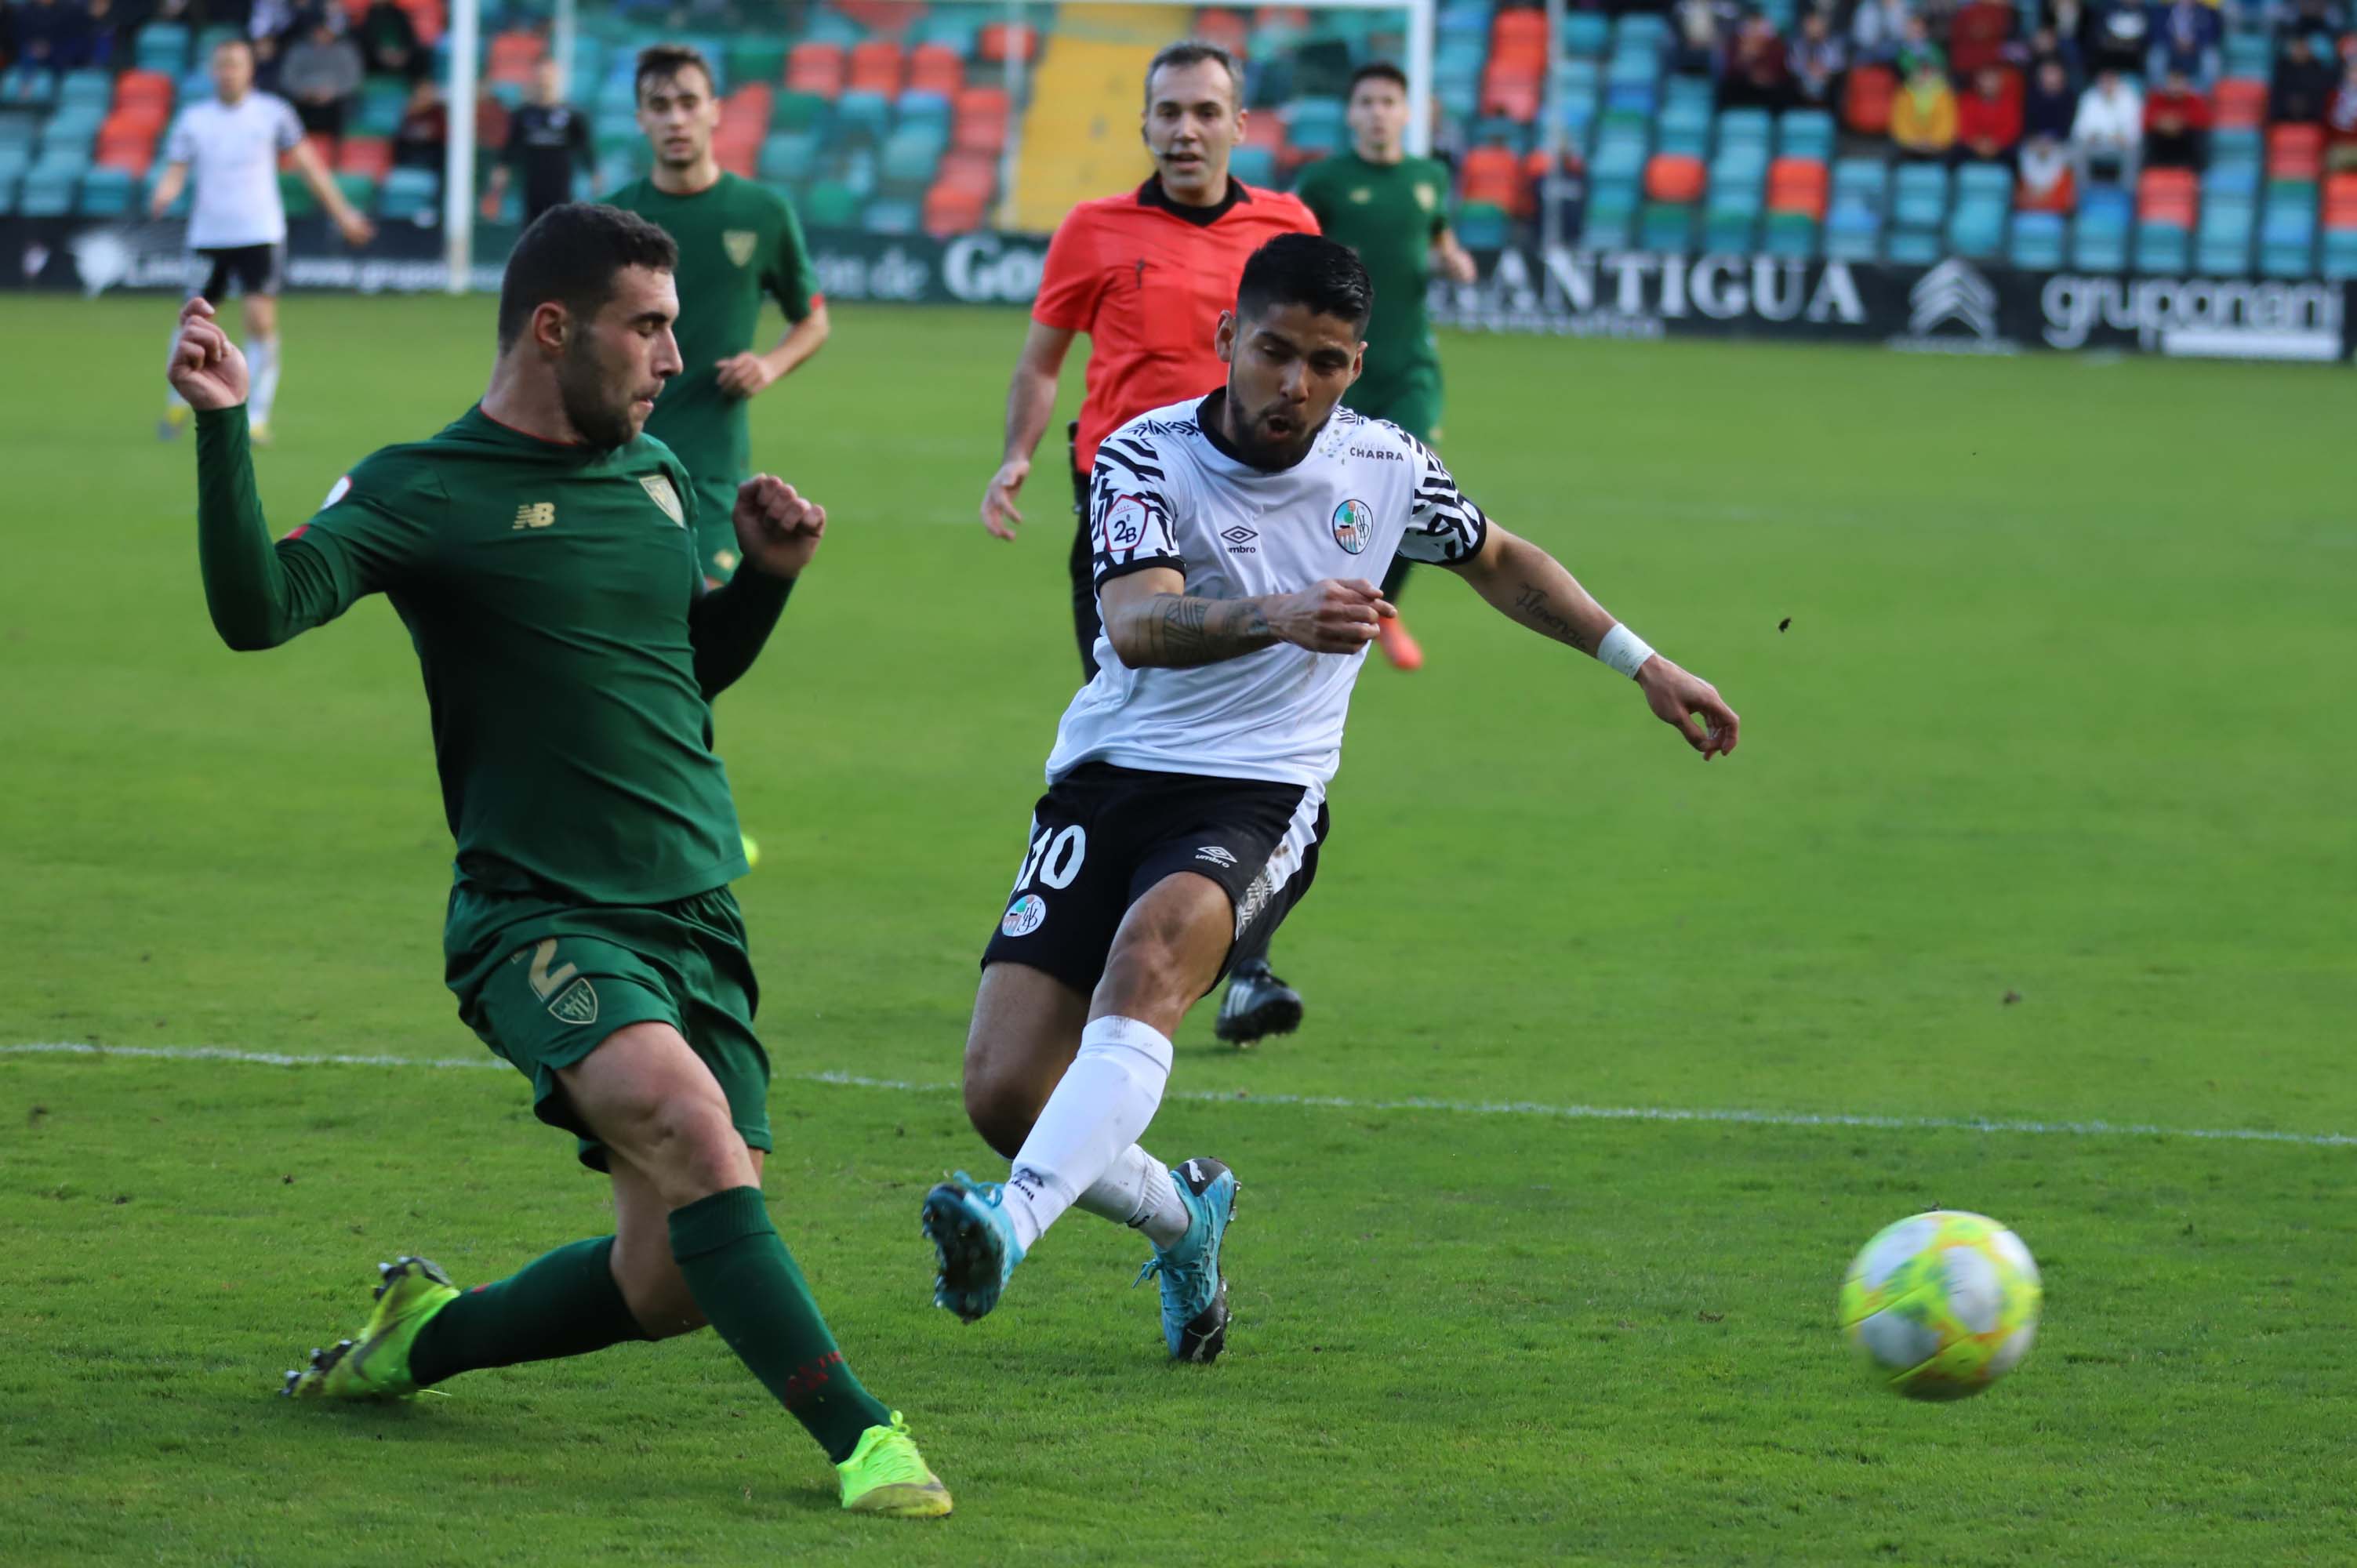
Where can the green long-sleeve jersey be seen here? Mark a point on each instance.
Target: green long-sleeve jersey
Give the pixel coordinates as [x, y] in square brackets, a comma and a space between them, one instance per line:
[569, 652]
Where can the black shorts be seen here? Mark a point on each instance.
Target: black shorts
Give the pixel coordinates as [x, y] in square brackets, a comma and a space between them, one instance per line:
[1102, 836]
[257, 269]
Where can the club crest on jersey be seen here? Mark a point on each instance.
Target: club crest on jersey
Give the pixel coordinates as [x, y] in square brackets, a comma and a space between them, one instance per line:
[658, 487]
[1024, 915]
[739, 244]
[1354, 524]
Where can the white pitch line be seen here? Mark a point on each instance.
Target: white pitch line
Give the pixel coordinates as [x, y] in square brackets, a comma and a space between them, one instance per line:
[1528, 1108]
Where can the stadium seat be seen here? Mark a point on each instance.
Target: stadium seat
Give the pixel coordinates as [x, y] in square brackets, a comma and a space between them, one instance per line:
[2163, 247]
[2340, 203]
[1920, 196]
[370, 156]
[1253, 166]
[1666, 226]
[862, 116]
[979, 120]
[1315, 125]
[908, 157]
[1976, 227]
[893, 215]
[1806, 134]
[1585, 34]
[817, 69]
[1604, 227]
[935, 68]
[1493, 176]
[1913, 247]
[2036, 240]
[2339, 259]
[162, 46]
[48, 192]
[2098, 246]
[948, 212]
[1797, 184]
[2295, 152]
[1482, 227]
[877, 66]
[1793, 235]
[787, 156]
[410, 194]
[998, 41]
[756, 58]
[106, 193]
[2241, 103]
[2223, 242]
[1866, 100]
[1674, 177]
[2166, 195]
[830, 204]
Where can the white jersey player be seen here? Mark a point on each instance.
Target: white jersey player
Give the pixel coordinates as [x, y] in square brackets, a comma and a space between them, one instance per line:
[1186, 794]
[230, 145]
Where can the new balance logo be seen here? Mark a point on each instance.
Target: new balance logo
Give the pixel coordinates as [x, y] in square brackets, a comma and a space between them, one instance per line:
[1215, 855]
[540, 514]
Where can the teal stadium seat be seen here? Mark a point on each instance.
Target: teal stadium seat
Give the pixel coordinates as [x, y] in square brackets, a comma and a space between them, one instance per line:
[411, 195]
[1253, 166]
[1479, 226]
[1913, 247]
[2163, 248]
[1793, 235]
[2037, 240]
[1806, 134]
[893, 215]
[787, 156]
[48, 193]
[1666, 226]
[106, 193]
[1977, 229]
[909, 155]
[1585, 34]
[830, 204]
[862, 116]
[162, 46]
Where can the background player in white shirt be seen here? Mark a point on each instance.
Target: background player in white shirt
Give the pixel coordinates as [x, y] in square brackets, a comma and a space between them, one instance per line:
[237, 224]
[1186, 800]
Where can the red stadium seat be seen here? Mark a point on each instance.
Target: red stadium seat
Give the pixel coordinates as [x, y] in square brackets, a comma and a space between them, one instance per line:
[1674, 177]
[936, 68]
[149, 90]
[1521, 33]
[1511, 97]
[875, 67]
[999, 43]
[1494, 175]
[949, 211]
[975, 172]
[1226, 28]
[979, 121]
[1866, 101]
[1797, 184]
[815, 68]
[882, 19]
[513, 55]
[371, 156]
[2242, 104]
[2295, 152]
[2340, 201]
[126, 145]
[2166, 196]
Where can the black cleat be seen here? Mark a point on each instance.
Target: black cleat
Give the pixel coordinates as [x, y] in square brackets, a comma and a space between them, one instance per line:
[1257, 1004]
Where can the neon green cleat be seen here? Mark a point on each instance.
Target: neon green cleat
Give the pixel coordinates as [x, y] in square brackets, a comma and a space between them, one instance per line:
[886, 1475]
[376, 1365]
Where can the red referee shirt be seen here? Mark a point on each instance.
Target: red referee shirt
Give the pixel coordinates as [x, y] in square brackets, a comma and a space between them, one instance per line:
[1147, 285]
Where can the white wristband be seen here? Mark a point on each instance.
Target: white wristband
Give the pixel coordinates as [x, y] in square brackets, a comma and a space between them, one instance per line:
[1623, 651]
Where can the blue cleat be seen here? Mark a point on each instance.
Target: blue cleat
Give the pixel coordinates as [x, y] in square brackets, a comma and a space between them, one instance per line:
[967, 1224]
[1194, 1292]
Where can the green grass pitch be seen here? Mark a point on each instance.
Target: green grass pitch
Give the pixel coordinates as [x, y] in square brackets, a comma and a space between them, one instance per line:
[2053, 717]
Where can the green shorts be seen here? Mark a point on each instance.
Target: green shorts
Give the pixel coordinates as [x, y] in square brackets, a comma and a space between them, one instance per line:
[715, 532]
[1409, 399]
[546, 984]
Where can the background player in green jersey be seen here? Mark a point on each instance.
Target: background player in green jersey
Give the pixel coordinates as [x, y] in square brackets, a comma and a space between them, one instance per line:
[737, 241]
[539, 550]
[1393, 211]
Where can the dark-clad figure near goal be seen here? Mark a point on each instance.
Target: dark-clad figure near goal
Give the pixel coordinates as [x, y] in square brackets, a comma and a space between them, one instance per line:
[1236, 541]
[542, 553]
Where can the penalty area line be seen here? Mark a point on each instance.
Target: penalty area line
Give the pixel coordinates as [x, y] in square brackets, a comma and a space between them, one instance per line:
[1533, 1110]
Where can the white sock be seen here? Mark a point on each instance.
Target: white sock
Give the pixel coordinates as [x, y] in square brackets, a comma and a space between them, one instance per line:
[1137, 1191]
[262, 359]
[1108, 1097]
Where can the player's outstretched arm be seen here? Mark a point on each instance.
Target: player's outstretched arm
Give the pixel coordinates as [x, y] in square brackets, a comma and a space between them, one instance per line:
[167, 189]
[778, 533]
[355, 229]
[1527, 585]
[1030, 404]
[1153, 623]
[260, 594]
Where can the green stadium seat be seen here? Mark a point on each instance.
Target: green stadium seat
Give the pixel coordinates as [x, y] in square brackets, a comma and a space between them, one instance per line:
[791, 110]
[382, 101]
[757, 59]
[830, 204]
[1666, 226]
[1791, 235]
[360, 189]
[296, 196]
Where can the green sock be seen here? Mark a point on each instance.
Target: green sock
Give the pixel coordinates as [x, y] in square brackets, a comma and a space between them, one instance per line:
[566, 1304]
[742, 1277]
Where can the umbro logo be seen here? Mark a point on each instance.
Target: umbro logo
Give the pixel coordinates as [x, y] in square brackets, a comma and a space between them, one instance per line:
[540, 514]
[1215, 855]
[1382, 454]
[1240, 538]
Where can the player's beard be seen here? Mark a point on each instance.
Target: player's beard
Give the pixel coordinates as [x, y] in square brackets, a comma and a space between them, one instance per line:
[592, 404]
[1259, 450]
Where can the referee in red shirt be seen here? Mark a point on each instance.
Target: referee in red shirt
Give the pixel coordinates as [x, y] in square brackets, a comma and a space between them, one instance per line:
[1146, 274]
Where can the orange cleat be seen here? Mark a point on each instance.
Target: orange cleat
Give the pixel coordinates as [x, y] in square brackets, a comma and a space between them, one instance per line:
[1401, 649]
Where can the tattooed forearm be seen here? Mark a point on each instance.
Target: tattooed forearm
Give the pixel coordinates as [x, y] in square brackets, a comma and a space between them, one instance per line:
[1175, 631]
[1533, 608]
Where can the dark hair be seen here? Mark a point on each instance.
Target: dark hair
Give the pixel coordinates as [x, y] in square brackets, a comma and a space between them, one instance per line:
[571, 254]
[661, 62]
[236, 41]
[1375, 70]
[1194, 51]
[1310, 270]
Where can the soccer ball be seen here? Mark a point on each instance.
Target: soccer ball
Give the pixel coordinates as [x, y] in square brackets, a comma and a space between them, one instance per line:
[1942, 1304]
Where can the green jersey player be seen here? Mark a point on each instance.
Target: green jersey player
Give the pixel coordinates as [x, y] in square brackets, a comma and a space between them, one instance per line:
[738, 243]
[1393, 211]
[538, 549]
